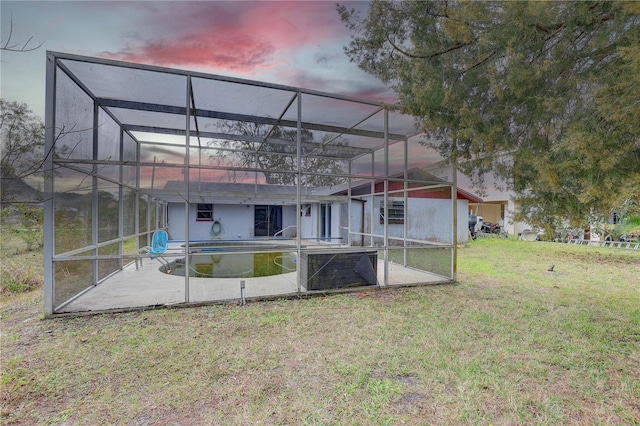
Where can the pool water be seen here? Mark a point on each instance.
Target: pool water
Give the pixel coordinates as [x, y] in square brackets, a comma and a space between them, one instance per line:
[235, 265]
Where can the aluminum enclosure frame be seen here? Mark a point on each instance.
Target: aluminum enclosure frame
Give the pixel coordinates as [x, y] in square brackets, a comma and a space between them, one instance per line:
[127, 144]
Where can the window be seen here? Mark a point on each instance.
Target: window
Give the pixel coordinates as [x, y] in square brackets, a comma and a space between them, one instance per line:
[205, 213]
[395, 212]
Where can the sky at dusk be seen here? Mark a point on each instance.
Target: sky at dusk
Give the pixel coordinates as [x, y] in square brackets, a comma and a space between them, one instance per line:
[292, 43]
[296, 43]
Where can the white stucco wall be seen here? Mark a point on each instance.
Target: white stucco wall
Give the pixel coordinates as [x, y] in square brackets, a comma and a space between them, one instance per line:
[237, 222]
[427, 219]
[289, 221]
[335, 224]
[308, 224]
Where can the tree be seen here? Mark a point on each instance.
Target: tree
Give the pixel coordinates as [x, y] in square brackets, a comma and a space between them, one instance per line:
[542, 94]
[21, 132]
[22, 142]
[273, 149]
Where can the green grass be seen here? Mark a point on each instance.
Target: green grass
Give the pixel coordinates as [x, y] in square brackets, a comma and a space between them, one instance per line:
[511, 343]
[20, 270]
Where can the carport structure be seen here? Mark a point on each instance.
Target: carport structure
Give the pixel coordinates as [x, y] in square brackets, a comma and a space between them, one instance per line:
[243, 175]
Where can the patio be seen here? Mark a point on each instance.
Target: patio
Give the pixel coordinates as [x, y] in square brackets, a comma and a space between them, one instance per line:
[133, 288]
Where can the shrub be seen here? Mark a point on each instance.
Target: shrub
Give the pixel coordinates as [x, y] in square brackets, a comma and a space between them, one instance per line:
[19, 278]
[26, 223]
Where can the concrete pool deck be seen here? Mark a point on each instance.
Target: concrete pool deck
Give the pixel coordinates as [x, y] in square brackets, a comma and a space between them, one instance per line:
[147, 286]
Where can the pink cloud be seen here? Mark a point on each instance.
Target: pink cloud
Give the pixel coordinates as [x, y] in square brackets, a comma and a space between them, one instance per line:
[338, 82]
[228, 52]
[233, 36]
[377, 93]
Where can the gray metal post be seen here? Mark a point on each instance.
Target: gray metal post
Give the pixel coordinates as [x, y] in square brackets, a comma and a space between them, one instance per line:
[121, 201]
[94, 198]
[372, 209]
[49, 136]
[188, 192]
[349, 237]
[454, 197]
[298, 192]
[405, 259]
[136, 202]
[386, 197]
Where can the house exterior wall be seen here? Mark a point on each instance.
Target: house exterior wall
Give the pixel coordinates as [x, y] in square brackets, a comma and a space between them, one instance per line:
[430, 219]
[357, 208]
[463, 221]
[335, 224]
[289, 221]
[308, 224]
[237, 222]
[511, 226]
[427, 218]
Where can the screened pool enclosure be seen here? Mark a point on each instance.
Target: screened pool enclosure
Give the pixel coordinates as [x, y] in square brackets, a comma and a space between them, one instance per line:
[171, 187]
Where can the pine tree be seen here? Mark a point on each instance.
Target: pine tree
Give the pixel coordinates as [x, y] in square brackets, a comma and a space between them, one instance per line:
[544, 95]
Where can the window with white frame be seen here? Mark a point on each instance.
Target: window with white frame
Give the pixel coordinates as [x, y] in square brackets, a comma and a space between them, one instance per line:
[204, 213]
[395, 212]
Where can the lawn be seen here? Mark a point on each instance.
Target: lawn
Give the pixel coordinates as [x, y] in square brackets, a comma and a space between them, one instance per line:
[510, 343]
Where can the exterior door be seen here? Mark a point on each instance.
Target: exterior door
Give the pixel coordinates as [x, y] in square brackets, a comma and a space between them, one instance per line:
[267, 220]
[325, 222]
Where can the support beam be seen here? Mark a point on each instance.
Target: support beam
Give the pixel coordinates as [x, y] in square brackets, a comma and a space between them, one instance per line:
[220, 115]
[351, 150]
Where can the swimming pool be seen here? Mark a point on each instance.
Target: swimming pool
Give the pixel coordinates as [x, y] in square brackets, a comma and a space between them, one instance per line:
[234, 265]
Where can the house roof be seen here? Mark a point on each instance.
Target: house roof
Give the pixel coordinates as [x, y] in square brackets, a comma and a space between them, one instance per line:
[250, 193]
[242, 193]
[416, 174]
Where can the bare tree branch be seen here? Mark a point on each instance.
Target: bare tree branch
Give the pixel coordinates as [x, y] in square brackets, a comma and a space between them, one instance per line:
[9, 46]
